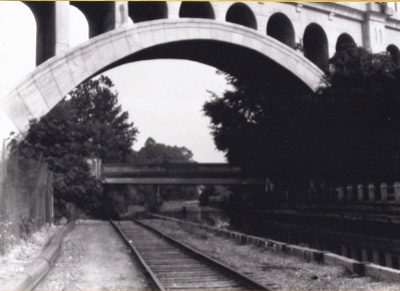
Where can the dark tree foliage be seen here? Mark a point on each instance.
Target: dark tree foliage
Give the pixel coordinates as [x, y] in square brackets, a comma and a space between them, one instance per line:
[345, 132]
[158, 153]
[87, 124]
[358, 117]
[96, 106]
[261, 130]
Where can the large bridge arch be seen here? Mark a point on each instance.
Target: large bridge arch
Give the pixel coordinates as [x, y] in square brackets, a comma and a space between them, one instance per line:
[55, 78]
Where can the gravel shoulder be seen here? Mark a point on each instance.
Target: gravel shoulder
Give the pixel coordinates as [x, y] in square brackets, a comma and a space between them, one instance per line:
[93, 257]
[22, 254]
[268, 267]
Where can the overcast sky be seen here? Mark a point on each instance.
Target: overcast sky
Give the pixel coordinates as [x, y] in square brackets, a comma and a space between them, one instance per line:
[164, 98]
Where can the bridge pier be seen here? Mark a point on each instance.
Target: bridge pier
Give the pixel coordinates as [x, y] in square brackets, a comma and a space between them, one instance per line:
[373, 33]
[52, 21]
[173, 9]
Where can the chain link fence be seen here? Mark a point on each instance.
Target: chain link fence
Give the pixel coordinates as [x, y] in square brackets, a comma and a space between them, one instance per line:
[26, 197]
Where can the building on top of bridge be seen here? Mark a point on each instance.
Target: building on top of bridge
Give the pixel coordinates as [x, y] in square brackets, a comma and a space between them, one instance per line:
[273, 43]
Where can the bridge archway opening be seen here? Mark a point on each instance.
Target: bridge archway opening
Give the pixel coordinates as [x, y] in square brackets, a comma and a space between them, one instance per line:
[315, 44]
[344, 42]
[44, 29]
[98, 14]
[255, 58]
[252, 67]
[256, 69]
[18, 54]
[193, 9]
[394, 53]
[280, 27]
[77, 22]
[140, 11]
[240, 13]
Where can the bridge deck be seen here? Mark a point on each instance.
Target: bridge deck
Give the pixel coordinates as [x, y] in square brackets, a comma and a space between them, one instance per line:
[177, 174]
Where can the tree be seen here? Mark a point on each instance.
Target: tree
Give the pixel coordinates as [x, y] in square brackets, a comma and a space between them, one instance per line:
[263, 131]
[88, 123]
[346, 132]
[359, 117]
[158, 153]
[97, 109]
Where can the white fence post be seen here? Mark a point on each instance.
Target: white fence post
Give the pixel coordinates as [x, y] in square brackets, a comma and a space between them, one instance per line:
[396, 187]
[360, 192]
[371, 192]
[383, 192]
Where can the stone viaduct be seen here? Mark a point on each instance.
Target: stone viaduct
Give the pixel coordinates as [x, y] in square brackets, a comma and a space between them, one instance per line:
[276, 43]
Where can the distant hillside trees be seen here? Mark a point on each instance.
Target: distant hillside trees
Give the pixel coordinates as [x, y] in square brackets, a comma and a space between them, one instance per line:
[158, 153]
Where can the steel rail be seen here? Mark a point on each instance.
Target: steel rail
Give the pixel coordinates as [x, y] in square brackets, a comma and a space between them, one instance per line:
[221, 268]
[149, 273]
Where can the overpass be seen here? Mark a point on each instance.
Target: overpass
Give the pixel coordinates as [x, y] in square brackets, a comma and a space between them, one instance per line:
[283, 46]
[176, 174]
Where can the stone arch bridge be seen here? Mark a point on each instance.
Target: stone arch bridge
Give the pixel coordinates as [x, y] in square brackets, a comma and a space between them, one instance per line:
[272, 43]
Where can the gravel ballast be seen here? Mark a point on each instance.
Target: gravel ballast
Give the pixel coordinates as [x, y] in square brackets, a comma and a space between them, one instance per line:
[270, 267]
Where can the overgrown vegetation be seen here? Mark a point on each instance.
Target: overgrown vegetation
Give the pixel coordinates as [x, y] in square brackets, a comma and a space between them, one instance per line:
[88, 123]
[158, 153]
[345, 132]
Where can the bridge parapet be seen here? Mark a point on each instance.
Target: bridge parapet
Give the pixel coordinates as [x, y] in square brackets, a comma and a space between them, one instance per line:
[177, 174]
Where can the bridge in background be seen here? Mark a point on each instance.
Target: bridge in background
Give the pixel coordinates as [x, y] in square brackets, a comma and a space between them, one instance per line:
[281, 45]
[176, 174]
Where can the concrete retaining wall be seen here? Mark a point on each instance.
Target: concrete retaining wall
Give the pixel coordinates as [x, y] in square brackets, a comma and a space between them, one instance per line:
[35, 272]
[360, 268]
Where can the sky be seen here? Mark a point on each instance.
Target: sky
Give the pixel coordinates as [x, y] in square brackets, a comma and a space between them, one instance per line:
[164, 98]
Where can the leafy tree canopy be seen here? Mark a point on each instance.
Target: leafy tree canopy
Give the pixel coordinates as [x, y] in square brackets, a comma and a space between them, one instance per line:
[348, 129]
[258, 129]
[88, 123]
[358, 111]
[157, 153]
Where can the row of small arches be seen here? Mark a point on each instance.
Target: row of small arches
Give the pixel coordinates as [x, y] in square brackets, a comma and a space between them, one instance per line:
[315, 41]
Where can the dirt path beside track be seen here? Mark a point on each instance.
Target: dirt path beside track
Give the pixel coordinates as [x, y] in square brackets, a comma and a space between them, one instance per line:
[93, 257]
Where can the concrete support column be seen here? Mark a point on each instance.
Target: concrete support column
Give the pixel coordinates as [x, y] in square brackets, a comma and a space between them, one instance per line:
[374, 28]
[173, 9]
[52, 21]
[61, 26]
[261, 24]
[121, 14]
[220, 10]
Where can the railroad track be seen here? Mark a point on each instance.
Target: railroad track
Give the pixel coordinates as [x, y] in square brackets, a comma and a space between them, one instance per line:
[172, 265]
